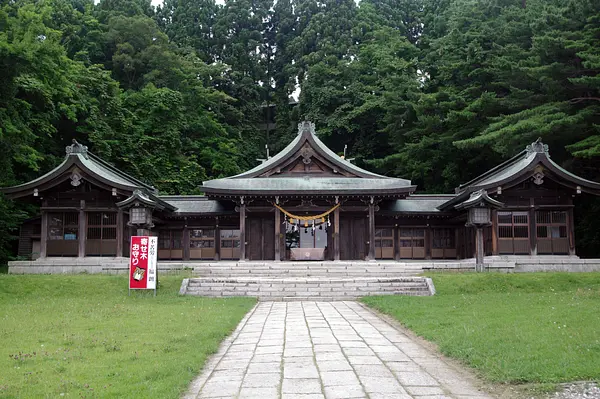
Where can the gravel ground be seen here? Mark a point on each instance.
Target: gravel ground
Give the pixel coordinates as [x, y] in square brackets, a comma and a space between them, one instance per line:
[581, 390]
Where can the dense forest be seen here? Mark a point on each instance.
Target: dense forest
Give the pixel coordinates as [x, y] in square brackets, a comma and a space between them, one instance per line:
[435, 91]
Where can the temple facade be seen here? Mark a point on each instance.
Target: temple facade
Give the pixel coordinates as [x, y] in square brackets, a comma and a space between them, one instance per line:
[305, 203]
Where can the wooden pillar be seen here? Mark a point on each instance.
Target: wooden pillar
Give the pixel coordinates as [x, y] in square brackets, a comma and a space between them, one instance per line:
[82, 230]
[185, 242]
[242, 230]
[494, 232]
[372, 229]
[456, 243]
[532, 228]
[44, 234]
[428, 241]
[217, 239]
[336, 233]
[571, 231]
[119, 233]
[479, 251]
[277, 235]
[396, 242]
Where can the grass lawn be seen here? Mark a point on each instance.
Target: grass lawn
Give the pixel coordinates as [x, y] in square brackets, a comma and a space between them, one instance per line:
[534, 327]
[82, 336]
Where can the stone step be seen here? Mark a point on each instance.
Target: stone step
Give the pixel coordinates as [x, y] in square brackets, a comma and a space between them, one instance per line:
[317, 288]
[307, 275]
[312, 271]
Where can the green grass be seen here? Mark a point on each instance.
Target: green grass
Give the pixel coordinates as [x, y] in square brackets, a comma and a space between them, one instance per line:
[515, 328]
[82, 336]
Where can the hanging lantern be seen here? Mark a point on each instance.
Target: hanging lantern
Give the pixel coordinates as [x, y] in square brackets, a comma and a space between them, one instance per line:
[306, 223]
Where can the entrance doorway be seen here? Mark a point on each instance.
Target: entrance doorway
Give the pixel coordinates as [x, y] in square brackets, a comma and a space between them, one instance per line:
[306, 243]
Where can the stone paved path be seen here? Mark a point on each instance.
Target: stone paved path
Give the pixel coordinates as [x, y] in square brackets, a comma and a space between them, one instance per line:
[325, 350]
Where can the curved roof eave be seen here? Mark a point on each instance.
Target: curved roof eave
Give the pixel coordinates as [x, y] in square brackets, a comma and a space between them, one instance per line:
[79, 160]
[368, 191]
[307, 134]
[64, 166]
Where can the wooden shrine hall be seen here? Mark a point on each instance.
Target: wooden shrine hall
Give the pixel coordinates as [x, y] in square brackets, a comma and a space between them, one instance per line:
[305, 203]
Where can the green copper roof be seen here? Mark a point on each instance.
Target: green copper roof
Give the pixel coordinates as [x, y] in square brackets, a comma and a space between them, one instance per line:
[344, 177]
[416, 204]
[197, 205]
[535, 159]
[79, 160]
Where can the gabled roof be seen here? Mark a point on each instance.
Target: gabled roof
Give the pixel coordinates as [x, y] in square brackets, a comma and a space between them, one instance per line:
[479, 198]
[81, 164]
[534, 162]
[148, 199]
[335, 175]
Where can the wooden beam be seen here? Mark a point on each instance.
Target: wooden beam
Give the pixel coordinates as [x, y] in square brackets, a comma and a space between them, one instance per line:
[82, 230]
[119, 233]
[532, 228]
[494, 232]
[371, 230]
[217, 239]
[44, 235]
[336, 233]
[277, 234]
[186, 243]
[571, 231]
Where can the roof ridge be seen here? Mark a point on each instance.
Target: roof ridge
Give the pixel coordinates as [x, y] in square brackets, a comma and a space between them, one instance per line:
[117, 171]
[493, 170]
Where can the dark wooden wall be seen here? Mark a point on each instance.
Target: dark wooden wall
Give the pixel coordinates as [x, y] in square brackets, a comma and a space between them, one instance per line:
[30, 231]
[353, 237]
[260, 236]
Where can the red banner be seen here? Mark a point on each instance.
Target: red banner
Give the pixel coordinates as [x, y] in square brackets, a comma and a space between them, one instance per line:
[138, 262]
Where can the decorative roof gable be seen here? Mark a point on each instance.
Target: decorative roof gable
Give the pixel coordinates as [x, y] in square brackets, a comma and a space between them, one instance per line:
[79, 165]
[313, 155]
[307, 166]
[533, 163]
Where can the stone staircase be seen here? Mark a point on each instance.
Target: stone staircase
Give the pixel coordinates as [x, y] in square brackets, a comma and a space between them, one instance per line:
[323, 281]
[307, 269]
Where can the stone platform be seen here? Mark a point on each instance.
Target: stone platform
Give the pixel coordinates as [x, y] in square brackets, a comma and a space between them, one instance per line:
[379, 268]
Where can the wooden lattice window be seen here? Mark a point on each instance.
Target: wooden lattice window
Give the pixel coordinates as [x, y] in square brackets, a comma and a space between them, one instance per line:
[101, 239]
[170, 244]
[513, 232]
[412, 243]
[63, 226]
[384, 243]
[551, 232]
[443, 243]
[202, 244]
[102, 226]
[230, 244]
[63, 234]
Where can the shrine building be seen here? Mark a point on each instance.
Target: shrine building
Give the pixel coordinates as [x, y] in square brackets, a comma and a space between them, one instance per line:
[304, 204]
